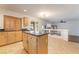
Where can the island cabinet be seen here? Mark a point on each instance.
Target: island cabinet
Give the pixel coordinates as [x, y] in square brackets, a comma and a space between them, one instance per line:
[32, 44]
[25, 41]
[42, 44]
[35, 44]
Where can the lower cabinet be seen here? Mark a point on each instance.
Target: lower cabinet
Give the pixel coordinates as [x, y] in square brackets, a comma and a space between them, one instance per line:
[43, 44]
[3, 38]
[35, 44]
[10, 37]
[32, 44]
[18, 35]
[25, 41]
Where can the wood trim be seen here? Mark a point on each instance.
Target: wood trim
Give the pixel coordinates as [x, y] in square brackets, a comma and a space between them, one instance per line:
[9, 43]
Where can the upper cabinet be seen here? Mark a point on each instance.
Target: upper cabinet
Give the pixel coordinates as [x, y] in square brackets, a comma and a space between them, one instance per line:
[12, 23]
[18, 23]
[25, 21]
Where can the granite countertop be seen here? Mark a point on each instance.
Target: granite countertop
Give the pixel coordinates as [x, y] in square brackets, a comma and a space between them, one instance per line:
[35, 33]
[2, 30]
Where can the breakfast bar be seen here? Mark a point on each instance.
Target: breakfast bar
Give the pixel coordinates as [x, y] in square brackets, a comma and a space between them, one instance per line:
[35, 42]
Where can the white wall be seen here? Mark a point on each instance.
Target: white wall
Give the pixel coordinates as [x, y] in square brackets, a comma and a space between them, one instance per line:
[1, 21]
[72, 26]
[7, 12]
[63, 25]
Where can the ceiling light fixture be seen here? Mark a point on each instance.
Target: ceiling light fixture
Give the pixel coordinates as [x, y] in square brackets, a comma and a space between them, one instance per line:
[25, 10]
[44, 14]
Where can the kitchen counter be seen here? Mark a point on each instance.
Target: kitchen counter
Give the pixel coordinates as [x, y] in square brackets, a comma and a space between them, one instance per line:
[2, 30]
[62, 33]
[35, 42]
[35, 33]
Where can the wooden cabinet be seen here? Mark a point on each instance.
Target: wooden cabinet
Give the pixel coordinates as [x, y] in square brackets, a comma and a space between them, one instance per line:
[11, 23]
[43, 44]
[11, 37]
[25, 41]
[32, 44]
[35, 44]
[25, 21]
[3, 38]
[18, 35]
[18, 24]
[14, 36]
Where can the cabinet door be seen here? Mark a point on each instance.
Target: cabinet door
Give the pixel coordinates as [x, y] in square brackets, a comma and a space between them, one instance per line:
[6, 23]
[18, 35]
[3, 38]
[11, 37]
[25, 41]
[32, 44]
[18, 24]
[25, 21]
[43, 44]
[9, 23]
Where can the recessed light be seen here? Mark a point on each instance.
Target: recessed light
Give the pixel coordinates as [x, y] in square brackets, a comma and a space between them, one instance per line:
[25, 10]
[44, 14]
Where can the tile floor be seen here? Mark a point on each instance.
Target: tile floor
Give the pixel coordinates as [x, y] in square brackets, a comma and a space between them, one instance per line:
[56, 46]
[15, 48]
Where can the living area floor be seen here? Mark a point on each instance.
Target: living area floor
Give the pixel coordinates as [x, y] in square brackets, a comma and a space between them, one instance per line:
[56, 46]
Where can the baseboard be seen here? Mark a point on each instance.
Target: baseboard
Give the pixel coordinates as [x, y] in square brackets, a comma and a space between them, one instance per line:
[74, 38]
[10, 43]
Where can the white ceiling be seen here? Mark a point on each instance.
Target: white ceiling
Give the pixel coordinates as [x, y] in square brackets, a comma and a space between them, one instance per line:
[57, 11]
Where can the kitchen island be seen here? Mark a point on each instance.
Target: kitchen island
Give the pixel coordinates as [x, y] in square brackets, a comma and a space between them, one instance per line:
[35, 42]
[62, 33]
